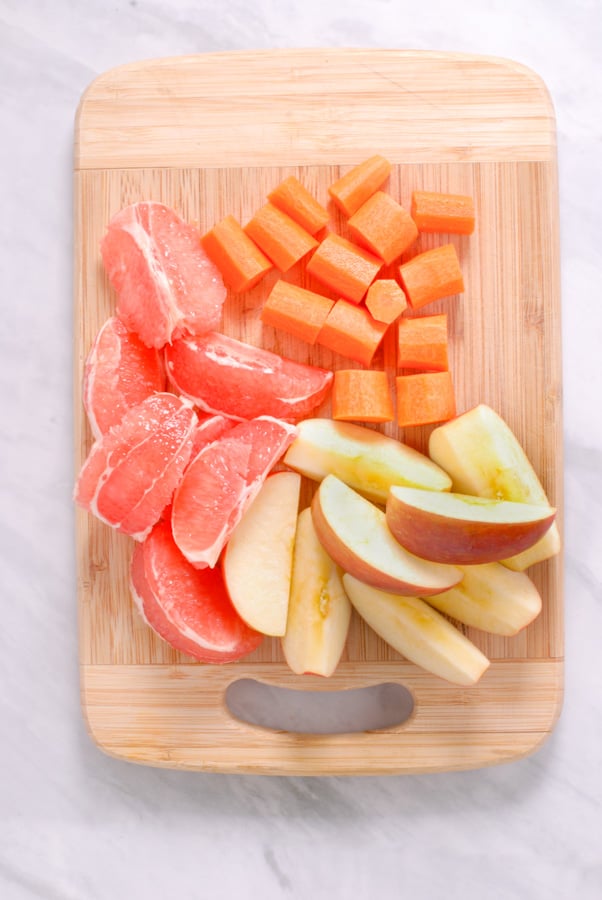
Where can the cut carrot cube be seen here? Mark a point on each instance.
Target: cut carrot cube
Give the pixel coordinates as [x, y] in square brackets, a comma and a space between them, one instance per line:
[240, 261]
[279, 237]
[345, 268]
[354, 187]
[351, 331]
[450, 213]
[361, 395]
[383, 226]
[431, 276]
[385, 300]
[296, 201]
[424, 399]
[296, 310]
[422, 343]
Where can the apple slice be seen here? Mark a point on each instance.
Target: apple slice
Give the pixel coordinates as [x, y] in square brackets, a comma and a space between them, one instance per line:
[461, 529]
[354, 533]
[491, 597]
[483, 457]
[418, 632]
[366, 460]
[319, 609]
[257, 563]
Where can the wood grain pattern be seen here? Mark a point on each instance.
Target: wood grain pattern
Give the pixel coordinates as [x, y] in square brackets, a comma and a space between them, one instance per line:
[212, 134]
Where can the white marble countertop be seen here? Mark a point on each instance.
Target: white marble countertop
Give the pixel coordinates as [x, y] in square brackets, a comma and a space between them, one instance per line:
[78, 825]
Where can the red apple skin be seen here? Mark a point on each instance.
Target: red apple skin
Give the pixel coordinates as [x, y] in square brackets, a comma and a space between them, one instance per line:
[354, 565]
[460, 542]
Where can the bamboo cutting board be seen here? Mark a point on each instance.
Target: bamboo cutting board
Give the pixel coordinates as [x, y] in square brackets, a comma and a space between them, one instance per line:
[210, 135]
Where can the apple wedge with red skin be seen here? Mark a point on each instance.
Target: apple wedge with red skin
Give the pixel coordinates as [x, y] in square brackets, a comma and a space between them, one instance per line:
[418, 632]
[461, 529]
[355, 535]
[483, 456]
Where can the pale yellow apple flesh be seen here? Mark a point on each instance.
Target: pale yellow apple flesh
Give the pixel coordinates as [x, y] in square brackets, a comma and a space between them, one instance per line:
[319, 609]
[355, 535]
[366, 460]
[257, 564]
[462, 529]
[491, 597]
[483, 457]
[418, 632]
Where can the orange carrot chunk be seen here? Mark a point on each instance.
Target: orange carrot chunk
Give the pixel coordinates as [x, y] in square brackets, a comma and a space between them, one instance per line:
[383, 226]
[450, 213]
[355, 186]
[431, 275]
[361, 395]
[280, 237]
[351, 331]
[296, 310]
[422, 343]
[295, 200]
[240, 261]
[424, 399]
[385, 300]
[346, 269]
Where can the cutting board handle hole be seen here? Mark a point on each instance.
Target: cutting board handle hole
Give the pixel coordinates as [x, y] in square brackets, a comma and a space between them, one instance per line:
[372, 708]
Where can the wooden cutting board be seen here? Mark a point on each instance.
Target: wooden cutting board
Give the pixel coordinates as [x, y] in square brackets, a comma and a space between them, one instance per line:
[210, 135]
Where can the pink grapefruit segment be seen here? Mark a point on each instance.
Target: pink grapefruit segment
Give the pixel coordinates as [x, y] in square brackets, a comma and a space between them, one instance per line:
[189, 608]
[166, 284]
[221, 483]
[131, 473]
[223, 375]
[209, 429]
[119, 373]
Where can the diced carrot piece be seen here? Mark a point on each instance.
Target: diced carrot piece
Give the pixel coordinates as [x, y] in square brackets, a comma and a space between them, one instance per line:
[296, 310]
[280, 237]
[451, 213]
[296, 201]
[385, 300]
[424, 399]
[345, 268]
[355, 186]
[431, 275]
[351, 331]
[383, 226]
[361, 395]
[422, 343]
[240, 261]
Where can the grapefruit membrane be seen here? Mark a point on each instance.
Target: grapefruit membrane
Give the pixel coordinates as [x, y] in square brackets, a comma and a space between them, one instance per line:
[222, 375]
[131, 473]
[166, 284]
[120, 372]
[187, 607]
[221, 483]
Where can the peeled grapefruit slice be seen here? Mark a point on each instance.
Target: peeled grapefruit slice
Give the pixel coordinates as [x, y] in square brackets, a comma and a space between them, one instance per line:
[120, 372]
[221, 482]
[187, 607]
[166, 284]
[209, 429]
[130, 474]
[220, 374]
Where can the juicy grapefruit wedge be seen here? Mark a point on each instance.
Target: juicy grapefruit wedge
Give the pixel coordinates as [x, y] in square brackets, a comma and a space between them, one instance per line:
[221, 483]
[166, 284]
[209, 429]
[223, 375]
[189, 608]
[119, 373]
[131, 473]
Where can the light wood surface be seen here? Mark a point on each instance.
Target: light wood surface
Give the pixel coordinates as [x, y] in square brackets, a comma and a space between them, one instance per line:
[210, 135]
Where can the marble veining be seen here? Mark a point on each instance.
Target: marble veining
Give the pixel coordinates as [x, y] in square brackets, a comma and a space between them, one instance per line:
[78, 825]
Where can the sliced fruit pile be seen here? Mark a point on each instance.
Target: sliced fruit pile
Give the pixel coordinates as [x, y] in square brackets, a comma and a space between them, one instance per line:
[190, 424]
